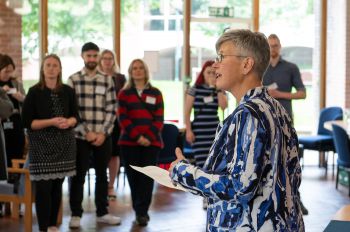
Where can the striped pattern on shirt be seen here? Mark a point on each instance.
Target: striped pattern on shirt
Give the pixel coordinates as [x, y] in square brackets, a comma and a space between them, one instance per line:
[205, 120]
[96, 102]
[135, 120]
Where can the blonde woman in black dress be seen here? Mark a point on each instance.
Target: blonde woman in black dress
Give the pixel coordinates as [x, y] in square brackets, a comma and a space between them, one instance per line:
[49, 114]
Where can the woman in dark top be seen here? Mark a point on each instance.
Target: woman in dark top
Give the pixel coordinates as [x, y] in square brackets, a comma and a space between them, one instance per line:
[141, 114]
[6, 108]
[49, 114]
[13, 128]
[205, 99]
[108, 65]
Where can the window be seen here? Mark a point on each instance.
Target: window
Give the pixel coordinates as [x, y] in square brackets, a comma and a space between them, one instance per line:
[73, 23]
[152, 30]
[205, 30]
[294, 24]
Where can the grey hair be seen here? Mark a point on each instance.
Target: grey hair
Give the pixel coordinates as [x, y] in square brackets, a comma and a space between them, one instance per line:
[253, 44]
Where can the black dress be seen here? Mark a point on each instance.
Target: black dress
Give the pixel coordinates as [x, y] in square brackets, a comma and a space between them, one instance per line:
[52, 151]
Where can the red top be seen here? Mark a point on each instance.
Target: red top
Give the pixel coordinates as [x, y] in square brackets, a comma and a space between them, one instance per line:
[140, 115]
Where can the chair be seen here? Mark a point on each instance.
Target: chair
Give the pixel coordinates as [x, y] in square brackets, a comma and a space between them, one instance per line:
[342, 147]
[323, 141]
[24, 164]
[170, 135]
[7, 195]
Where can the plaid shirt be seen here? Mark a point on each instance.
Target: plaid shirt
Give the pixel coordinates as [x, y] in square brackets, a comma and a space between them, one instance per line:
[96, 102]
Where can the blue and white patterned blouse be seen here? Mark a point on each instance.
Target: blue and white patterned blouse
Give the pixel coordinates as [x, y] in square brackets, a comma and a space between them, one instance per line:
[252, 175]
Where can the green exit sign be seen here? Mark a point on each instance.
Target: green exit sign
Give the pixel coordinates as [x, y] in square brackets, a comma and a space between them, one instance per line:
[221, 11]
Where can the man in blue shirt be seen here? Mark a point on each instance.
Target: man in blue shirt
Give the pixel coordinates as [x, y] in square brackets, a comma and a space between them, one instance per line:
[252, 174]
[282, 76]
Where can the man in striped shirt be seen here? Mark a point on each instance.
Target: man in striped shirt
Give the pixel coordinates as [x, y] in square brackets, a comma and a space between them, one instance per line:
[97, 103]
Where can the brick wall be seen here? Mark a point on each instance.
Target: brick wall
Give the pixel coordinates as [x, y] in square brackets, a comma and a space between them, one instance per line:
[10, 35]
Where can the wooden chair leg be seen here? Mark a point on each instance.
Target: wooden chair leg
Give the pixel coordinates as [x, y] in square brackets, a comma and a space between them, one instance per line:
[7, 208]
[28, 216]
[15, 210]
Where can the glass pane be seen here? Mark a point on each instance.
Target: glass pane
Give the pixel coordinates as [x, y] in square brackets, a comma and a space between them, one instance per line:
[288, 19]
[209, 20]
[174, 25]
[152, 30]
[240, 8]
[73, 23]
[154, 25]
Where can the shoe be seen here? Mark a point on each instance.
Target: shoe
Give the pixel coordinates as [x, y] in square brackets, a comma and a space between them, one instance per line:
[205, 203]
[52, 229]
[303, 209]
[74, 222]
[109, 219]
[142, 220]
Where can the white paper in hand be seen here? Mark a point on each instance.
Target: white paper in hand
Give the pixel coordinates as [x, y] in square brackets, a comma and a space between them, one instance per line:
[12, 91]
[158, 174]
[272, 86]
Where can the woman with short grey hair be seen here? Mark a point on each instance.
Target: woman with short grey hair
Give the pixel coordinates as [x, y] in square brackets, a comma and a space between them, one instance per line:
[252, 175]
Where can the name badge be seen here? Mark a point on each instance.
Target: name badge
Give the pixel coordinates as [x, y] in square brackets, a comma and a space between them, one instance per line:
[100, 90]
[150, 100]
[208, 99]
[12, 91]
[8, 125]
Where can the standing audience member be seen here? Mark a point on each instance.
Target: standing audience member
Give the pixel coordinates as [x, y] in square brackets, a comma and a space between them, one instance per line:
[284, 76]
[96, 103]
[205, 99]
[6, 108]
[13, 128]
[49, 114]
[141, 114]
[109, 66]
[252, 175]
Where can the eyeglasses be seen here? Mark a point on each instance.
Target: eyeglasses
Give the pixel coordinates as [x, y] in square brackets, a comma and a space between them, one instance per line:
[274, 46]
[107, 58]
[220, 57]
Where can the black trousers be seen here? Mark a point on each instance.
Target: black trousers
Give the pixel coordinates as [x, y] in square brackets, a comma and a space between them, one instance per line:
[48, 197]
[100, 157]
[141, 186]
